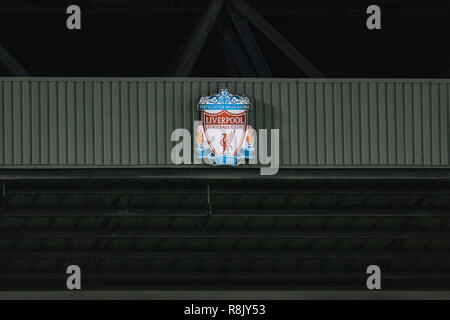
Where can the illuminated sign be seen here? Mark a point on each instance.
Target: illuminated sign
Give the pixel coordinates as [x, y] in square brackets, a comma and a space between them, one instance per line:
[224, 137]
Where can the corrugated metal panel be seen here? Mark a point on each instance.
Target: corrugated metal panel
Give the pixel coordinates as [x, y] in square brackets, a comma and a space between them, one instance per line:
[126, 122]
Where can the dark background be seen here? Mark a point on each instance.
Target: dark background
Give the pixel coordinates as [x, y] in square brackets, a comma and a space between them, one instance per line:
[140, 38]
[198, 229]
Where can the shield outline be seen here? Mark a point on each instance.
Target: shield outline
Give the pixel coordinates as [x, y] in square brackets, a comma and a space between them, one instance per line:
[239, 147]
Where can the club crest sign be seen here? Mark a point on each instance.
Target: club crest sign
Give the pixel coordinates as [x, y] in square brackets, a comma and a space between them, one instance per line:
[224, 137]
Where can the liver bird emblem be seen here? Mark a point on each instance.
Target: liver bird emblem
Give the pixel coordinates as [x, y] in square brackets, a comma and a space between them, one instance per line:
[225, 142]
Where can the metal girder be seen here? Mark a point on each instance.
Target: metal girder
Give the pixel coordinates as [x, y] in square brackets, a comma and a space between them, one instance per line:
[197, 39]
[185, 286]
[226, 174]
[226, 279]
[250, 44]
[273, 35]
[243, 188]
[229, 212]
[227, 293]
[234, 48]
[170, 69]
[231, 68]
[208, 233]
[227, 275]
[12, 64]
[78, 254]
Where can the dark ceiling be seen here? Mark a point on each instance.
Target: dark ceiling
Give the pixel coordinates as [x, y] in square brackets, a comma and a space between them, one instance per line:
[141, 38]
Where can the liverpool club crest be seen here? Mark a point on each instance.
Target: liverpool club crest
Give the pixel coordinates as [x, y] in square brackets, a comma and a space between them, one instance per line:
[224, 136]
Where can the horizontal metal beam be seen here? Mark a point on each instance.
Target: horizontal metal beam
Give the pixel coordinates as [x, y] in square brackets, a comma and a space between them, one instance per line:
[229, 212]
[40, 254]
[222, 275]
[203, 233]
[227, 174]
[219, 285]
[227, 293]
[242, 188]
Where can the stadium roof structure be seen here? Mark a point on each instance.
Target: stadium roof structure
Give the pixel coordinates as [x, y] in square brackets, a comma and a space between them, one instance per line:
[247, 38]
[223, 234]
[136, 221]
